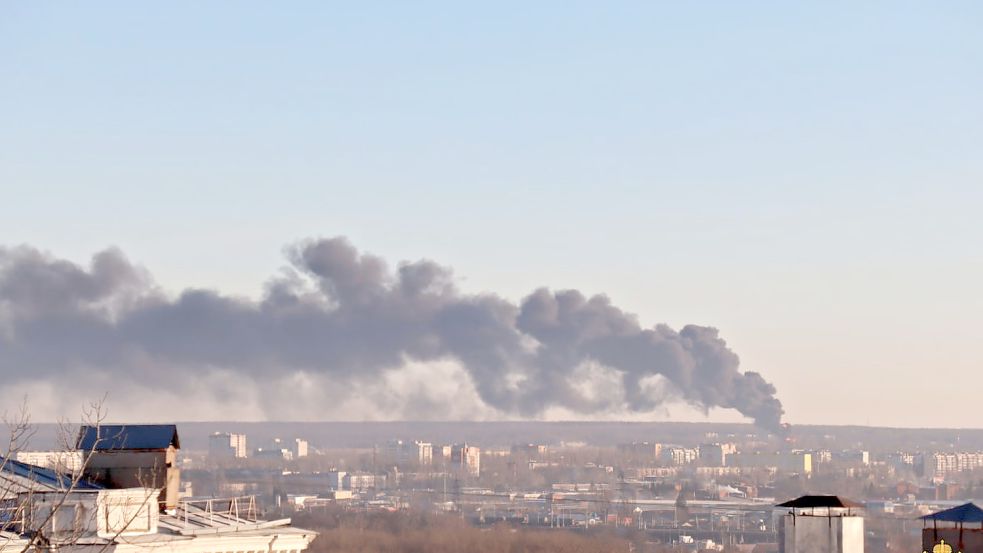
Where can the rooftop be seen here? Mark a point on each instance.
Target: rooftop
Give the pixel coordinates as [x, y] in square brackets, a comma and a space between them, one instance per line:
[127, 436]
[967, 512]
[47, 478]
[821, 501]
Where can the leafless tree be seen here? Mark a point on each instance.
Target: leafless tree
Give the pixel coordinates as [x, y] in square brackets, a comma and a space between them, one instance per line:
[29, 507]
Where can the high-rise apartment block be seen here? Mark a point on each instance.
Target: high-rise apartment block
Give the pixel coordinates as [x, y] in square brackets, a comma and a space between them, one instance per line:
[414, 453]
[467, 458]
[223, 445]
[300, 448]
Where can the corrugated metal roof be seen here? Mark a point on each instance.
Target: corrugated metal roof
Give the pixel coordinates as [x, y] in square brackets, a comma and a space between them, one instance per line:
[967, 512]
[127, 436]
[44, 476]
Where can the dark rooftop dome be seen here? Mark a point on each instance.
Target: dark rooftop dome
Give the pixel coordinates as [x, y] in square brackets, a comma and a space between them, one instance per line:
[127, 436]
[821, 501]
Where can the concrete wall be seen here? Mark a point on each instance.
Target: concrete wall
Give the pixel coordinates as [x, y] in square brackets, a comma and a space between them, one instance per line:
[137, 468]
[821, 534]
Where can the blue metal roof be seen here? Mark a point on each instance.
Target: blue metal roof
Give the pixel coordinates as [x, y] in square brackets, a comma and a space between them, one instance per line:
[127, 436]
[967, 512]
[44, 476]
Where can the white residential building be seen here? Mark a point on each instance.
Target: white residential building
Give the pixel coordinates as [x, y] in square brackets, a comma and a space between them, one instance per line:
[467, 458]
[413, 454]
[65, 461]
[224, 445]
[300, 448]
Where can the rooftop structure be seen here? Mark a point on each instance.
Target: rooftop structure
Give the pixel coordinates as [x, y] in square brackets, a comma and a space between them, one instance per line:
[961, 527]
[130, 437]
[132, 456]
[18, 477]
[821, 502]
[45, 509]
[821, 524]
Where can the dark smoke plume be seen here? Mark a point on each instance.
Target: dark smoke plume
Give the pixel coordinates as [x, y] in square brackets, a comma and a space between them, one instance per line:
[344, 313]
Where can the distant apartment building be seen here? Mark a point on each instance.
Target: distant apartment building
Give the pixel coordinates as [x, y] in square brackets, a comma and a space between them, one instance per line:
[532, 451]
[336, 479]
[822, 456]
[446, 451]
[904, 461]
[797, 462]
[466, 458]
[276, 451]
[413, 454]
[62, 461]
[360, 481]
[942, 464]
[224, 445]
[680, 455]
[282, 450]
[854, 457]
[715, 454]
[649, 473]
[730, 471]
[424, 453]
[641, 450]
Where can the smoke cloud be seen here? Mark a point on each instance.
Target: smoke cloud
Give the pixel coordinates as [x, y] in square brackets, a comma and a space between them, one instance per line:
[342, 318]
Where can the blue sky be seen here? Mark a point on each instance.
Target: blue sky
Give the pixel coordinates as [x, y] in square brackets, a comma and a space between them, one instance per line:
[807, 178]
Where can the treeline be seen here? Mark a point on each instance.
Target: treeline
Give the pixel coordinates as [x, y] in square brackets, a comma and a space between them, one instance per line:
[417, 532]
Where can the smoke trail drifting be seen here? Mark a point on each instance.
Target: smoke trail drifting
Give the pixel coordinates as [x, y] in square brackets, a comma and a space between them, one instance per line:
[343, 313]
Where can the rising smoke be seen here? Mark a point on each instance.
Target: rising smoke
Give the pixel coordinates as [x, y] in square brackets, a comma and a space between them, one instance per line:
[338, 312]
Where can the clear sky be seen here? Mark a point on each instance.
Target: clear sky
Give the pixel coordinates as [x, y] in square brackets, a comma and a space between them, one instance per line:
[807, 178]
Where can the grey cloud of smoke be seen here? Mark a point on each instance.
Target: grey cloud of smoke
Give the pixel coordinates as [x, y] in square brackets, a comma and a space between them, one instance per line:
[336, 312]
